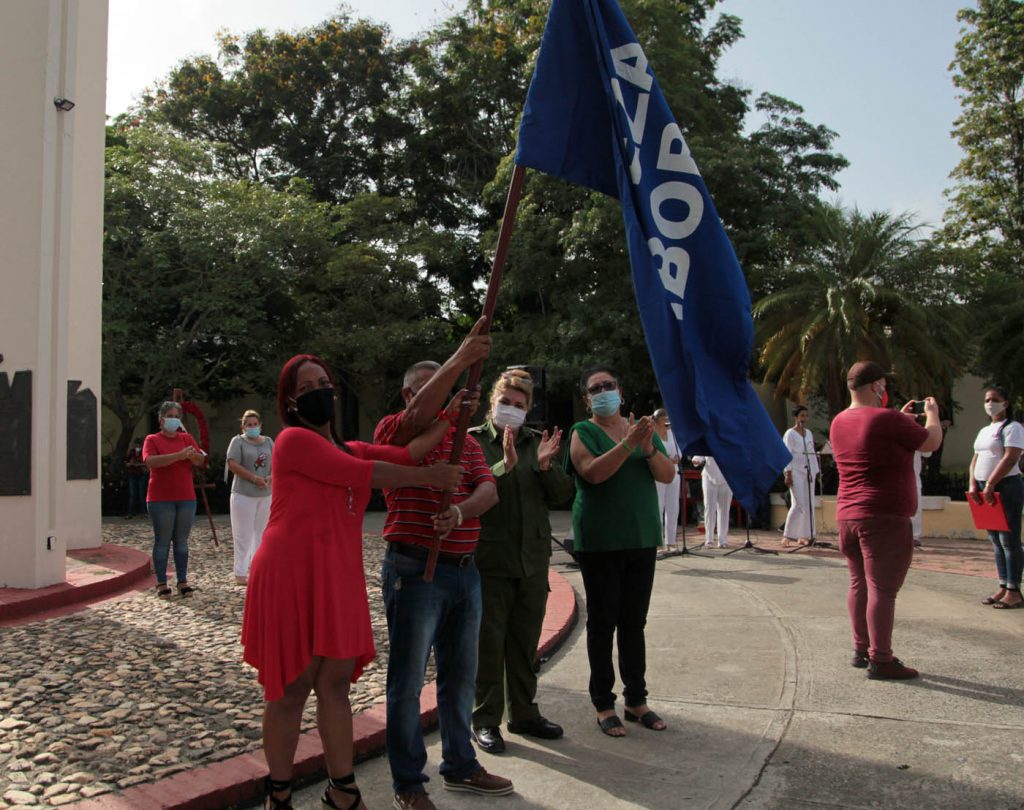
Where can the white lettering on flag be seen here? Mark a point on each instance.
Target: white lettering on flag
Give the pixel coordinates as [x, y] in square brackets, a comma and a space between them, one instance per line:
[672, 158]
[672, 262]
[636, 122]
[673, 267]
[636, 74]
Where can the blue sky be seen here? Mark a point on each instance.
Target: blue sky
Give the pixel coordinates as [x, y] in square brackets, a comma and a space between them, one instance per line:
[875, 71]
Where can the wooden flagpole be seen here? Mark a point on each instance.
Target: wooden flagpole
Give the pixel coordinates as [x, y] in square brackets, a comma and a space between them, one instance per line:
[490, 303]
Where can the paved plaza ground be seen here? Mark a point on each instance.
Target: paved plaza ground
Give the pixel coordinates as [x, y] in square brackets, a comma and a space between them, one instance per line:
[748, 663]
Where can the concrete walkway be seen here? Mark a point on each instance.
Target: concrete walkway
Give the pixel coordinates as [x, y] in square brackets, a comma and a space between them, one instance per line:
[748, 661]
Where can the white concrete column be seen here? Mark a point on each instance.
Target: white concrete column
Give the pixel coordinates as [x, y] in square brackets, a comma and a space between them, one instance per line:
[51, 165]
[80, 525]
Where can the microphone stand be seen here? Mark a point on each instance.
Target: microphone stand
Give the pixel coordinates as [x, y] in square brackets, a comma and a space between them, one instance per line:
[683, 500]
[814, 542]
[749, 545]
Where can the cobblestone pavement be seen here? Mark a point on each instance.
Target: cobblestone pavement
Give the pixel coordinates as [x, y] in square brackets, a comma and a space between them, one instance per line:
[136, 688]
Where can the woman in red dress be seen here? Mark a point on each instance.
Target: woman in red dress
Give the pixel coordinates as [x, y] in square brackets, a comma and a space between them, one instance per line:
[307, 619]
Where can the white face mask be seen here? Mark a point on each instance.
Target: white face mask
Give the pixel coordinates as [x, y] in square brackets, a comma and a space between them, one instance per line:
[507, 415]
[992, 408]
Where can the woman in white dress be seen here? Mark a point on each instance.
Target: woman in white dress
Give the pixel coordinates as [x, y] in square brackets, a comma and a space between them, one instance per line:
[800, 443]
[668, 494]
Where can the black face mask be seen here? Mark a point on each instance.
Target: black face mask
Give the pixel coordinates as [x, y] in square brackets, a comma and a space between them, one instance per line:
[316, 406]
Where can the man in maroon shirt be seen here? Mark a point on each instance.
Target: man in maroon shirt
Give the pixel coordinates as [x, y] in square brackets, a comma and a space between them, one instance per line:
[874, 451]
[443, 614]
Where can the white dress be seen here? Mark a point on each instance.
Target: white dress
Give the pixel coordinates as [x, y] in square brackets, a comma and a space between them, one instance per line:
[800, 520]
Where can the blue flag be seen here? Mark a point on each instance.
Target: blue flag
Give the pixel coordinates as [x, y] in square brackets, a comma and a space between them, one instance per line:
[595, 116]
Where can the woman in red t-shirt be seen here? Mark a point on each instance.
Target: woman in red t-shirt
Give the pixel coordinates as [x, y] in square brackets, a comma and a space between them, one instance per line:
[170, 455]
[307, 618]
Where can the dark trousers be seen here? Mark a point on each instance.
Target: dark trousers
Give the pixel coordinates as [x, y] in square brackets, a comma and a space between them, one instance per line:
[513, 613]
[618, 587]
[137, 493]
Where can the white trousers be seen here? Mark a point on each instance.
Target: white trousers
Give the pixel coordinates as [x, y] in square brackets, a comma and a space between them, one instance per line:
[668, 508]
[717, 500]
[801, 511]
[248, 520]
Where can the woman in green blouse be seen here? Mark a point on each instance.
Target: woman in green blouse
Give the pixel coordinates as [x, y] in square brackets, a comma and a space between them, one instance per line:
[513, 554]
[617, 531]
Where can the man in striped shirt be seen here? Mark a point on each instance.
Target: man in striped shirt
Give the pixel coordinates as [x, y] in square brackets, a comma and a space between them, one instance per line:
[443, 614]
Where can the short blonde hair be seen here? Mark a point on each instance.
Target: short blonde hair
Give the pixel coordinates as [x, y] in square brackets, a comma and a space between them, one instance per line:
[518, 380]
[249, 413]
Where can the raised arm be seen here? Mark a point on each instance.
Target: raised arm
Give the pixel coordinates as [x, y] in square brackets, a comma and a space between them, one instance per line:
[423, 407]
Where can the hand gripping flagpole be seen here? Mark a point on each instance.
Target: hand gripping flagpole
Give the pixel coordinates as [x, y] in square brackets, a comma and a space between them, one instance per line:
[490, 303]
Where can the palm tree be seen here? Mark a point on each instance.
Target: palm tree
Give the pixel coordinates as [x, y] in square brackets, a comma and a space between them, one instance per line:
[866, 288]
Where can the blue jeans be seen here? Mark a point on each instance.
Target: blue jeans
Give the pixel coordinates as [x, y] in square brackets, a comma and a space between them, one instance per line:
[136, 493]
[1006, 545]
[443, 614]
[172, 522]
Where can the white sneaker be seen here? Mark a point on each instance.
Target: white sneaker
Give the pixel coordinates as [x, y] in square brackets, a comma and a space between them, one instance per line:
[723, 545]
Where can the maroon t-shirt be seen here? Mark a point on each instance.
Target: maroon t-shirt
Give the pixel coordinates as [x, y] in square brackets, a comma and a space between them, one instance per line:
[874, 451]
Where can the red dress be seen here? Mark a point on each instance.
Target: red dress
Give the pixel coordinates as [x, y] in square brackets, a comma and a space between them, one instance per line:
[307, 591]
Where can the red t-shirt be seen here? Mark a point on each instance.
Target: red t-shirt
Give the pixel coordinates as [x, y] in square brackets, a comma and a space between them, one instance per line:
[874, 451]
[411, 510]
[173, 482]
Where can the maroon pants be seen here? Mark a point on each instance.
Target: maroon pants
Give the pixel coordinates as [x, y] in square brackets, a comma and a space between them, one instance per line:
[878, 553]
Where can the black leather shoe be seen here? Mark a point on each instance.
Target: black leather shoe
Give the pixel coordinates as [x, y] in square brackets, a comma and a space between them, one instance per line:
[489, 739]
[538, 727]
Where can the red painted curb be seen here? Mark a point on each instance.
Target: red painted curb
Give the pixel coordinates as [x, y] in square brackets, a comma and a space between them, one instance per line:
[239, 779]
[87, 583]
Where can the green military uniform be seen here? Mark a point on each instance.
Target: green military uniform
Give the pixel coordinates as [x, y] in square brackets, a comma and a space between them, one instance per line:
[512, 556]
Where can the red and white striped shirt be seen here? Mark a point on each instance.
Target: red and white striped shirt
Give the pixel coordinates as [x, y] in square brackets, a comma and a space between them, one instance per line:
[411, 510]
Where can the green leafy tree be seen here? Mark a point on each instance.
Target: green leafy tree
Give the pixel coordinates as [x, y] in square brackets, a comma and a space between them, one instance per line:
[316, 104]
[864, 289]
[987, 202]
[198, 275]
[417, 136]
[984, 224]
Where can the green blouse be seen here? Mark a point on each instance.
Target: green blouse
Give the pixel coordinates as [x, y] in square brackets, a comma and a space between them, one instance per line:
[622, 512]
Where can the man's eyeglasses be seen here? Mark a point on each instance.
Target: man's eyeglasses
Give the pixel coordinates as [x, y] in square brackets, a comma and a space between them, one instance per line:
[607, 385]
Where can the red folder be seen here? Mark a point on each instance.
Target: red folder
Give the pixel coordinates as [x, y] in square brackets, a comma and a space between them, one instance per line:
[989, 517]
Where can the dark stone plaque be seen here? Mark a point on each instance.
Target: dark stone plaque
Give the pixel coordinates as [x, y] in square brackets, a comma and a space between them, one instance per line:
[16, 434]
[82, 461]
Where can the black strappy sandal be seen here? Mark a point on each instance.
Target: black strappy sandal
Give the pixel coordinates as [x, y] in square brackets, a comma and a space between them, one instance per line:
[184, 589]
[162, 590]
[340, 784]
[273, 786]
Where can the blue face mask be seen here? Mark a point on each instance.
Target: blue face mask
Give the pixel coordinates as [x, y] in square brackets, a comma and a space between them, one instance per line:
[252, 432]
[606, 403]
[172, 424]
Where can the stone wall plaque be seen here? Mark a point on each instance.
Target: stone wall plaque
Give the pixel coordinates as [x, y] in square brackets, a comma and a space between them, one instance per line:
[16, 434]
[83, 463]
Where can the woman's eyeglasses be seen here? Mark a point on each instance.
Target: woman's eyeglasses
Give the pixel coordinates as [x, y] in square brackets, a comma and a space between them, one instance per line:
[607, 385]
